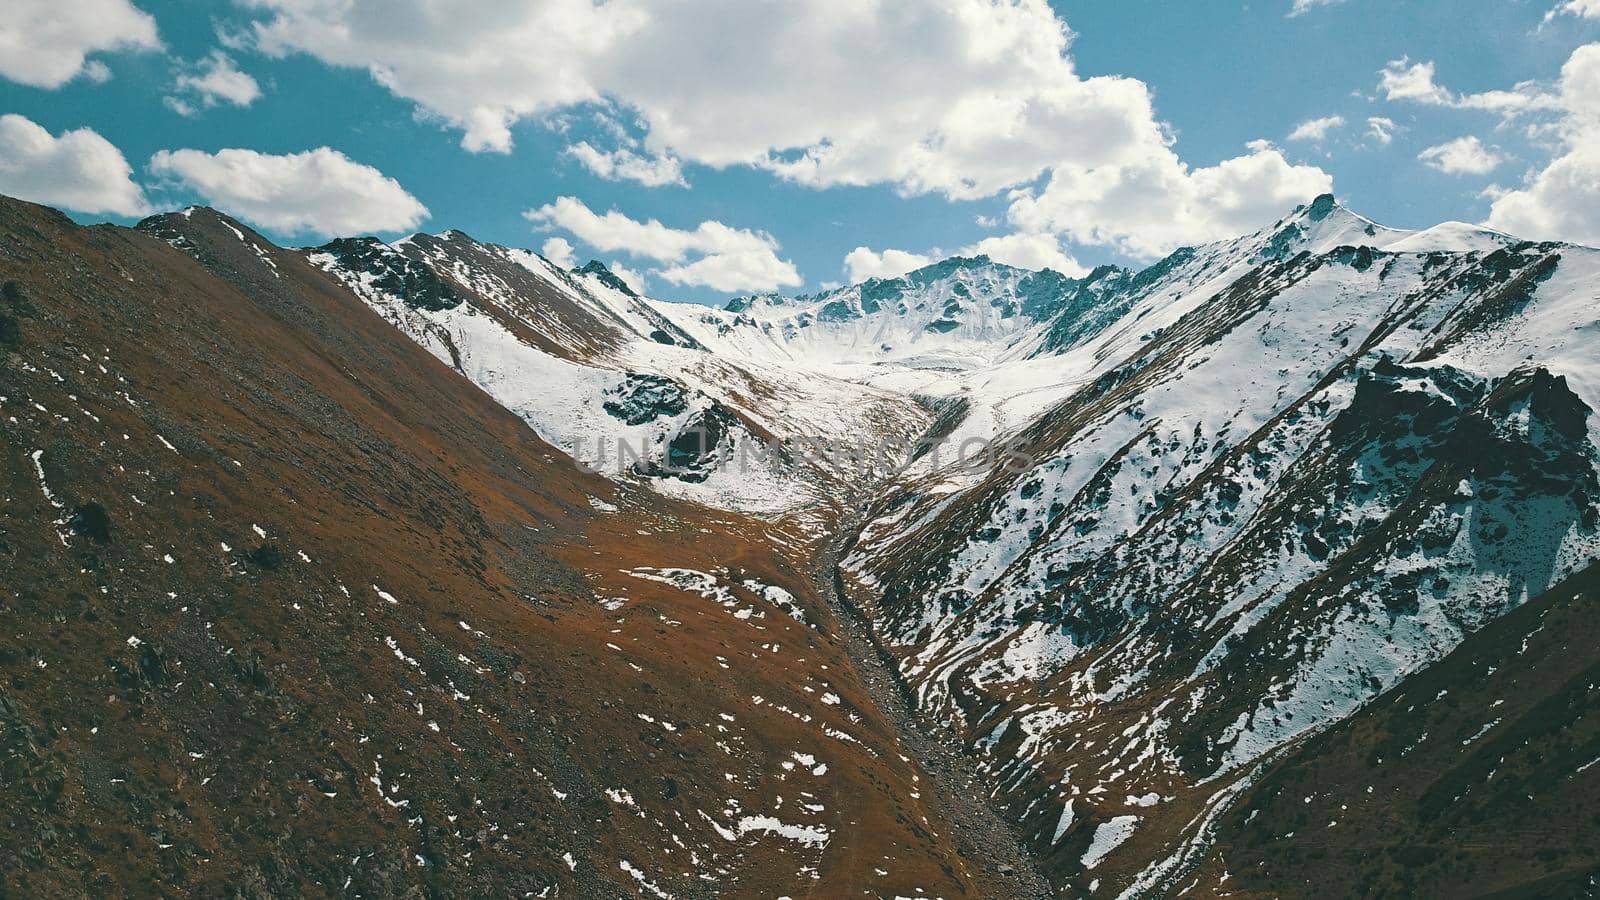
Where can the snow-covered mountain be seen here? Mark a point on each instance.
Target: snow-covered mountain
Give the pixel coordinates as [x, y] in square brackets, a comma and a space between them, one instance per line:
[612, 379]
[1136, 540]
[956, 315]
[1245, 490]
[1303, 466]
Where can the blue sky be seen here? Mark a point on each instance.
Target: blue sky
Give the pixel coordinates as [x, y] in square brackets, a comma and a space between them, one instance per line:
[1221, 75]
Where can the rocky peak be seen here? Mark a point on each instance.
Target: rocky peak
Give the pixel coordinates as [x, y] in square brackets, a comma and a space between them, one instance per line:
[605, 276]
[393, 272]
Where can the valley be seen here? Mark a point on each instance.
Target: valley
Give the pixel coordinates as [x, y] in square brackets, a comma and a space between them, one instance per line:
[328, 574]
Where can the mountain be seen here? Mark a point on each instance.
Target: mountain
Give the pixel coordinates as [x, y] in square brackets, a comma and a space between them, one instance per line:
[1217, 574]
[1299, 471]
[956, 315]
[291, 607]
[613, 379]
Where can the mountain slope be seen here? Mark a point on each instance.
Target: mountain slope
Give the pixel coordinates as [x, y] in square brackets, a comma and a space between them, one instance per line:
[1476, 778]
[291, 607]
[1314, 471]
[614, 382]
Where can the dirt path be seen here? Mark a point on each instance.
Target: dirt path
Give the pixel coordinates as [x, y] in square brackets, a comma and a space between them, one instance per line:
[1001, 864]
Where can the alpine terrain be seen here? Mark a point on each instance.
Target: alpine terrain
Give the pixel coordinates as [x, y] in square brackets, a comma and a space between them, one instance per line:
[435, 568]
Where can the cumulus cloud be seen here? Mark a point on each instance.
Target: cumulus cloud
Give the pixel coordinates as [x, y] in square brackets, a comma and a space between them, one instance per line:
[1562, 200]
[623, 164]
[1316, 129]
[214, 80]
[630, 277]
[1463, 156]
[984, 100]
[1025, 251]
[1559, 203]
[1301, 7]
[559, 251]
[864, 262]
[1028, 251]
[1402, 79]
[1583, 9]
[710, 255]
[46, 43]
[1417, 82]
[1151, 207]
[1381, 129]
[319, 192]
[79, 170]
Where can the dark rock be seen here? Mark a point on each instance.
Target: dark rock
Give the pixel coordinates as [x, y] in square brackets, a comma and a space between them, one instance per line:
[266, 556]
[605, 276]
[696, 451]
[646, 398]
[836, 311]
[394, 273]
[90, 521]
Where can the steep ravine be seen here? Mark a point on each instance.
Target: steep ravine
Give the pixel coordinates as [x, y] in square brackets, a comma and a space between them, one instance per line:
[1000, 864]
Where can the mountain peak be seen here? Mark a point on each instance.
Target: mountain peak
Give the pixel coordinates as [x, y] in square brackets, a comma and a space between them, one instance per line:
[605, 276]
[1319, 227]
[948, 266]
[198, 215]
[1322, 207]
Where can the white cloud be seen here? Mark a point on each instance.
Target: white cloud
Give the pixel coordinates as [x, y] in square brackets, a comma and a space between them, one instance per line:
[320, 192]
[613, 231]
[1381, 129]
[559, 251]
[623, 164]
[1463, 156]
[212, 81]
[1149, 208]
[45, 43]
[1025, 251]
[864, 262]
[984, 98]
[1562, 201]
[79, 170]
[1583, 9]
[734, 272]
[630, 277]
[1301, 7]
[1402, 79]
[711, 255]
[1316, 129]
[1028, 251]
[1559, 203]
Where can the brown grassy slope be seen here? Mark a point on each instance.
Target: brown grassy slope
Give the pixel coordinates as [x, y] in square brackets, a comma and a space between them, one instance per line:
[1478, 777]
[188, 706]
